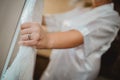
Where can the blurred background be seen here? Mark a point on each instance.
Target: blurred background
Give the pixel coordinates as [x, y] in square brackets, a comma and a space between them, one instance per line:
[10, 12]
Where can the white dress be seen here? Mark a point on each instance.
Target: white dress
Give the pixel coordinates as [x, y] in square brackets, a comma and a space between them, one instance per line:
[99, 27]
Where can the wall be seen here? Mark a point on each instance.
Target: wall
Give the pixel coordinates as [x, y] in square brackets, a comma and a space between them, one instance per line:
[9, 14]
[57, 6]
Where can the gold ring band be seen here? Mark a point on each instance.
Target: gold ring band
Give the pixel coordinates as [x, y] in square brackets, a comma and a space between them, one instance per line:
[29, 36]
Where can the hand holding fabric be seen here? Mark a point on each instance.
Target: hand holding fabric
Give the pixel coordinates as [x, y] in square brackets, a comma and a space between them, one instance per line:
[38, 36]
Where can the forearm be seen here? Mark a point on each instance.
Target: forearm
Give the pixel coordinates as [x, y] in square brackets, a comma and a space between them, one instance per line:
[62, 40]
[41, 39]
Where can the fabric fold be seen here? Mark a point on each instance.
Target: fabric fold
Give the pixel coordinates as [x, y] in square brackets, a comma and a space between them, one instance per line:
[22, 67]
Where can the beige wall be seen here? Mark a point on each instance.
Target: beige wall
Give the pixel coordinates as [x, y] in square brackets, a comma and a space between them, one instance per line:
[57, 6]
[9, 14]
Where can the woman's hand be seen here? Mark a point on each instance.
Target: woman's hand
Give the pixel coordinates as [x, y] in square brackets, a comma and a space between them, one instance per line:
[32, 34]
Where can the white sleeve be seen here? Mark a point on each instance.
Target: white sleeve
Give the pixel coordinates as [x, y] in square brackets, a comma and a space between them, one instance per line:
[97, 35]
[100, 38]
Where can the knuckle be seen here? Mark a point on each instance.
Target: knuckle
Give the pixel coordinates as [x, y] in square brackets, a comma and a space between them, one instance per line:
[22, 32]
[22, 25]
[24, 38]
[37, 37]
[36, 28]
[35, 42]
[24, 43]
[37, 25]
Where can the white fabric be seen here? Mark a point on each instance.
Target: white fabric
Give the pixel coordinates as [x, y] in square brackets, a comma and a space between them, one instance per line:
[54, 21]
[22, 67]
[99, 28]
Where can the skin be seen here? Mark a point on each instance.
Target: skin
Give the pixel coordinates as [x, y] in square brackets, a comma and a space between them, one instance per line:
[97, 3]
[41, 39]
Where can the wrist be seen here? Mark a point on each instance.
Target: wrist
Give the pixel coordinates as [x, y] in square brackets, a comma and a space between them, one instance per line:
[50, 41]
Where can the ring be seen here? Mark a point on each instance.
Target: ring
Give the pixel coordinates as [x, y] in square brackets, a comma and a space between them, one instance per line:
[29, 36]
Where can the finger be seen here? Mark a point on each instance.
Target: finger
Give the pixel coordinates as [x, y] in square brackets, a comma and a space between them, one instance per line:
[27, 37]
[28, 43]
[26, 31]
[26, 25]
[24, 37]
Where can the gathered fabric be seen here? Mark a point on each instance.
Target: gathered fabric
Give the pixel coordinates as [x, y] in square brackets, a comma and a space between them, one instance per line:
[99, 28]
[22, 67]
